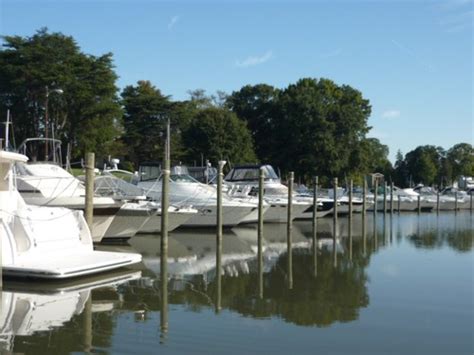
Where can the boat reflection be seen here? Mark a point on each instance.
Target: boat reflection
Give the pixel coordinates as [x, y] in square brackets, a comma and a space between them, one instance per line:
[39, 307]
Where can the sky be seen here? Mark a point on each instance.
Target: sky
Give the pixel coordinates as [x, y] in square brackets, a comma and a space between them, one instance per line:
[412, 59]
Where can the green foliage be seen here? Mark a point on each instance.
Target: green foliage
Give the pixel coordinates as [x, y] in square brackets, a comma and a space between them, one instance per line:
[86, 114]
[461, 159]
[218, 134]
[145, 118]
[256, 105]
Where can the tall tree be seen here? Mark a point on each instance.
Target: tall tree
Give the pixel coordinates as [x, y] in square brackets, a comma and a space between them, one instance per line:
[36, 69]
[146, 115]
[256, 105]
[423, 164]
[461, 158]
[218, 134]
[317, 127]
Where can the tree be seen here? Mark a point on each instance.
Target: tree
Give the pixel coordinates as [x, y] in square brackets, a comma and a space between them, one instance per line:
[146, 115]
[218, 134]
[256, 105]
[317, 127]
[370, 156]
[461, 158]
[401, 175]
[423, 164]
[33, 69]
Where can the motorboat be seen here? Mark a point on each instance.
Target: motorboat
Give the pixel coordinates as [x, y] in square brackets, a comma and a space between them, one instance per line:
[446, 201]
[185, 191]
[28, 308]
[462, 197]
[121, 184]
[46, 242]
[242, 182]
[43, 182]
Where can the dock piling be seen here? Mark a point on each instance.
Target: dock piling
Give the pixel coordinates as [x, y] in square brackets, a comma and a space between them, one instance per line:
[375, 197]
[391, 198]
[261, 178]
[164, 242]
[334, 229]
[315, 226]
[351, 188]
[385, 197]
[419, 204]
[289, 228]
[220, 177]
[89, 208]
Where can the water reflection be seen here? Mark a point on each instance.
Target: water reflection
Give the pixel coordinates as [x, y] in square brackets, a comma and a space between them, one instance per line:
[56, 309]
[87, 315]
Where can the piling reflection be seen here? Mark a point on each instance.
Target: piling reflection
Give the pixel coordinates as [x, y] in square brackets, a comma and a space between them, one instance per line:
[85, 316]
[65, 310]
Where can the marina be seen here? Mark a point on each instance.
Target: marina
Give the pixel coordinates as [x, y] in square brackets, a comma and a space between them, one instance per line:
[401, 282]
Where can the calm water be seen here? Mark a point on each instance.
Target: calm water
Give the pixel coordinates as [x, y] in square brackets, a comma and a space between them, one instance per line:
[398, 286]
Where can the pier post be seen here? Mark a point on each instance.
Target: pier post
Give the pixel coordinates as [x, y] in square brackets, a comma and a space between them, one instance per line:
[261, 178]
[289, 228]
[419, 203]
[399, 203]
[89, 210]
[315, 226]
[470, 194]
[87, 314]
[220, 177]
[334, 227]
[456, 201]
[364, 199]
[351, 186]
[375, 196]
[437, 202]
[391, 198]
[164, 242]
[385, 197]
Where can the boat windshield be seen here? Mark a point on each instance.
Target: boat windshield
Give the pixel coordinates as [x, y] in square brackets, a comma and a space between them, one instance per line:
[251, 173]
[182, 178]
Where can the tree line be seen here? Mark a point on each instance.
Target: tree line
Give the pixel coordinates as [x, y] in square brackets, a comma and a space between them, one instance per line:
[312, 127]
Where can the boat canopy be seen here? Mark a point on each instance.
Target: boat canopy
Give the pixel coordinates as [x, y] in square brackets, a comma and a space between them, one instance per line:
[251, 173]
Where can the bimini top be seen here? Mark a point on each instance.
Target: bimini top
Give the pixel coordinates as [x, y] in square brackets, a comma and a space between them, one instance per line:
[251, 172]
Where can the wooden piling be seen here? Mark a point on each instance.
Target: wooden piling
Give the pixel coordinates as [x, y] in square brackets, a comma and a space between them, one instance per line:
[164, 242]
[375, 196]
[437, 202]
[289, 227]
[351, 187]
[87, 335]
[470, 194]
[315, 226]
[385, 197]
[456, 201]
[419, 203]
[89, 208]
[364, 199]
[391, 198]
[399, 203]
[334, 229]
[220, 176]
[261, 178]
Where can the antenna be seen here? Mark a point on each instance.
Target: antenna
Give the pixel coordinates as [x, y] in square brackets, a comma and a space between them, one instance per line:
[7, 133]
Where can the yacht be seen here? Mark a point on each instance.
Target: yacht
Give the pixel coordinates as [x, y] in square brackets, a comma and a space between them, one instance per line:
[185, 191]
[463, 198]
[43, 182]
[113, 182]
[46, 242]
[242, 181]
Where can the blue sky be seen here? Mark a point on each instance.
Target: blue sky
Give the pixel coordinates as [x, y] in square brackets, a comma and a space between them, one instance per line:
[412, 59]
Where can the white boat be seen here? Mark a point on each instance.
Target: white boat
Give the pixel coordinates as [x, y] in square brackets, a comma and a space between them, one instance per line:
[463, 199]
[46, 183]
[185, 191]
[46, 242]
[113, 182]
[447, 202]
[242, 181]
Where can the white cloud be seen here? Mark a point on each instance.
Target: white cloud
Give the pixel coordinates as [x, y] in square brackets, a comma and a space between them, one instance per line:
[172, 22]
[391, 114]
[254, 60]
